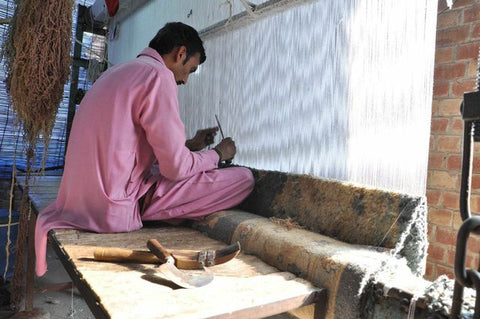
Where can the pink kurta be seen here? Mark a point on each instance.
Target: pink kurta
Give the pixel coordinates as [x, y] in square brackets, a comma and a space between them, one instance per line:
[126, 121]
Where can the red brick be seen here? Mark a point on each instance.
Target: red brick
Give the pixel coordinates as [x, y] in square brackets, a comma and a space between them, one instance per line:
[474, 244]
[468, 51]
[439, 125]
[441, 89]
[476, 261]
[450, 200]
[442, 180]
[454, 162]
[451, 256]
[472, 69]
[436, 160]
[450, 71]
[446, 236]
[475, 182]
[476, 31]
[460, 87]
[443, 55]
[457, 220]
[462, 3]
[472, 260]
[474, 202]
[442, 6]
[448, 18]
[436, 253]
[431, 229]
[452, 36]
[440, 217]
[469, 260]
[433, 197]
[449, 107]
[429, 272]
[435, 106]
[444, 270]
[471, 14]
[476, 164]
[449, 143]
[457, 126]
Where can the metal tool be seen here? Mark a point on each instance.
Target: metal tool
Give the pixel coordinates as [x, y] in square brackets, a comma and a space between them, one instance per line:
[172, 273]
[219, 127]
[223, 136]
[184, 259]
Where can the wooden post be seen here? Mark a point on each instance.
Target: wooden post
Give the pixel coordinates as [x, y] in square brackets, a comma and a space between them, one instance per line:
[30, 262]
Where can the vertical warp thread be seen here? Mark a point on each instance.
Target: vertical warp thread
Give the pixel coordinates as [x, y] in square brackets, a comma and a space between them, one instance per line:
[338, 89]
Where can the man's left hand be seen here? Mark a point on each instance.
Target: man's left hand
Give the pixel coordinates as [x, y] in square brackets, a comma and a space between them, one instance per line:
[202, 139]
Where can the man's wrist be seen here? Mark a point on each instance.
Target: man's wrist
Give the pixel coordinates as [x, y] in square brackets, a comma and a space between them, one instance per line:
[220, 155]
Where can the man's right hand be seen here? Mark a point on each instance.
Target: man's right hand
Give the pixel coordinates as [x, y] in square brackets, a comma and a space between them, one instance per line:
[227, 149]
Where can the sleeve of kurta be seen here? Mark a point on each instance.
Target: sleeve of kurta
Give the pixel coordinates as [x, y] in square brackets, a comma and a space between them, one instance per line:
[160, 118]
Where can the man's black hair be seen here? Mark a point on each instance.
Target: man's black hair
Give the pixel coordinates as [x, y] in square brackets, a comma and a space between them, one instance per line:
[176, 34]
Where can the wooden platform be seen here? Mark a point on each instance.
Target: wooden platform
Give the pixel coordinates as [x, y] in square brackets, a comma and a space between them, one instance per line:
[245, 287]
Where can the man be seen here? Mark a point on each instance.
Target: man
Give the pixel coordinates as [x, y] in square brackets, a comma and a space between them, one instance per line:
[128, 159]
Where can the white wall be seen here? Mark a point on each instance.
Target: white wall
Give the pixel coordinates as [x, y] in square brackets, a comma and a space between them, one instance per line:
[139, 28]
[338, 89]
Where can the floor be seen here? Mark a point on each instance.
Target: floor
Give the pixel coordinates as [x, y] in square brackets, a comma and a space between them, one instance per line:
[60, 304]
[57, 304]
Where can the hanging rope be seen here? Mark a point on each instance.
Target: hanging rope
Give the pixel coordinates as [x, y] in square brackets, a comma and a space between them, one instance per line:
[40, 63]
[37, 62]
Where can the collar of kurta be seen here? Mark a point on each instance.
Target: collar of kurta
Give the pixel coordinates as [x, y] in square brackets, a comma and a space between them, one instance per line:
[151, 53]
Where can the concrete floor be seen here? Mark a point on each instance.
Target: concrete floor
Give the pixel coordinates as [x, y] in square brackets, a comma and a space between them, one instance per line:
[55, 304]
[60, 304]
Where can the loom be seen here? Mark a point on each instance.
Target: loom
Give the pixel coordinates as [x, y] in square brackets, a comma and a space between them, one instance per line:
[337, 94]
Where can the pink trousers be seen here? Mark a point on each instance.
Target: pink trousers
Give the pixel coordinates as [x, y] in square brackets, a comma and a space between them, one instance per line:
[199, 195]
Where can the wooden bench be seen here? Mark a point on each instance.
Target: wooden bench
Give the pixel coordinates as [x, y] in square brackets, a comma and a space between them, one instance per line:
[245, 287]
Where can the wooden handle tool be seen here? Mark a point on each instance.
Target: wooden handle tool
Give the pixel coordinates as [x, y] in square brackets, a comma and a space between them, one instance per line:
[184, 259]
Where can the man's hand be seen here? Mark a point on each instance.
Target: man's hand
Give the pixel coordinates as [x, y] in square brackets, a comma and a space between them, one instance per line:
[202, 139]
[227, 149]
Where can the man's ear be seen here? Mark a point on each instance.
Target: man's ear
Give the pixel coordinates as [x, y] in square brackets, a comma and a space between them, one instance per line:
[181, 54]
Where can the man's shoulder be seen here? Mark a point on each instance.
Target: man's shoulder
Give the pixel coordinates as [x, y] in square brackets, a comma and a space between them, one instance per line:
[140, 65]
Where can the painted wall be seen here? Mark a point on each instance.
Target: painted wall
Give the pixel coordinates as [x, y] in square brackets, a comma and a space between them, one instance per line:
[338, 89]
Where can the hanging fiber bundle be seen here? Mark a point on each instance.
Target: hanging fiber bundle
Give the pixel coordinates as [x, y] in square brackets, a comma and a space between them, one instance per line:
[39, 66]
[37, 60]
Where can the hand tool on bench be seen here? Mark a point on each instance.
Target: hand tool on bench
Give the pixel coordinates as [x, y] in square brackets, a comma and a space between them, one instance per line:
[172, 273]
[184, 259]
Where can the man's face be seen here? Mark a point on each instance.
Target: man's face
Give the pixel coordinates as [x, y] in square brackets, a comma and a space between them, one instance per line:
[183, 69]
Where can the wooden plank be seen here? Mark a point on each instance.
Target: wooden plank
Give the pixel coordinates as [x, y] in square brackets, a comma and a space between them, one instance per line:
[244, 287]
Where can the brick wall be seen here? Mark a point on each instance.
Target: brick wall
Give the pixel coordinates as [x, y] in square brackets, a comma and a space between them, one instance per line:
[457, 44]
